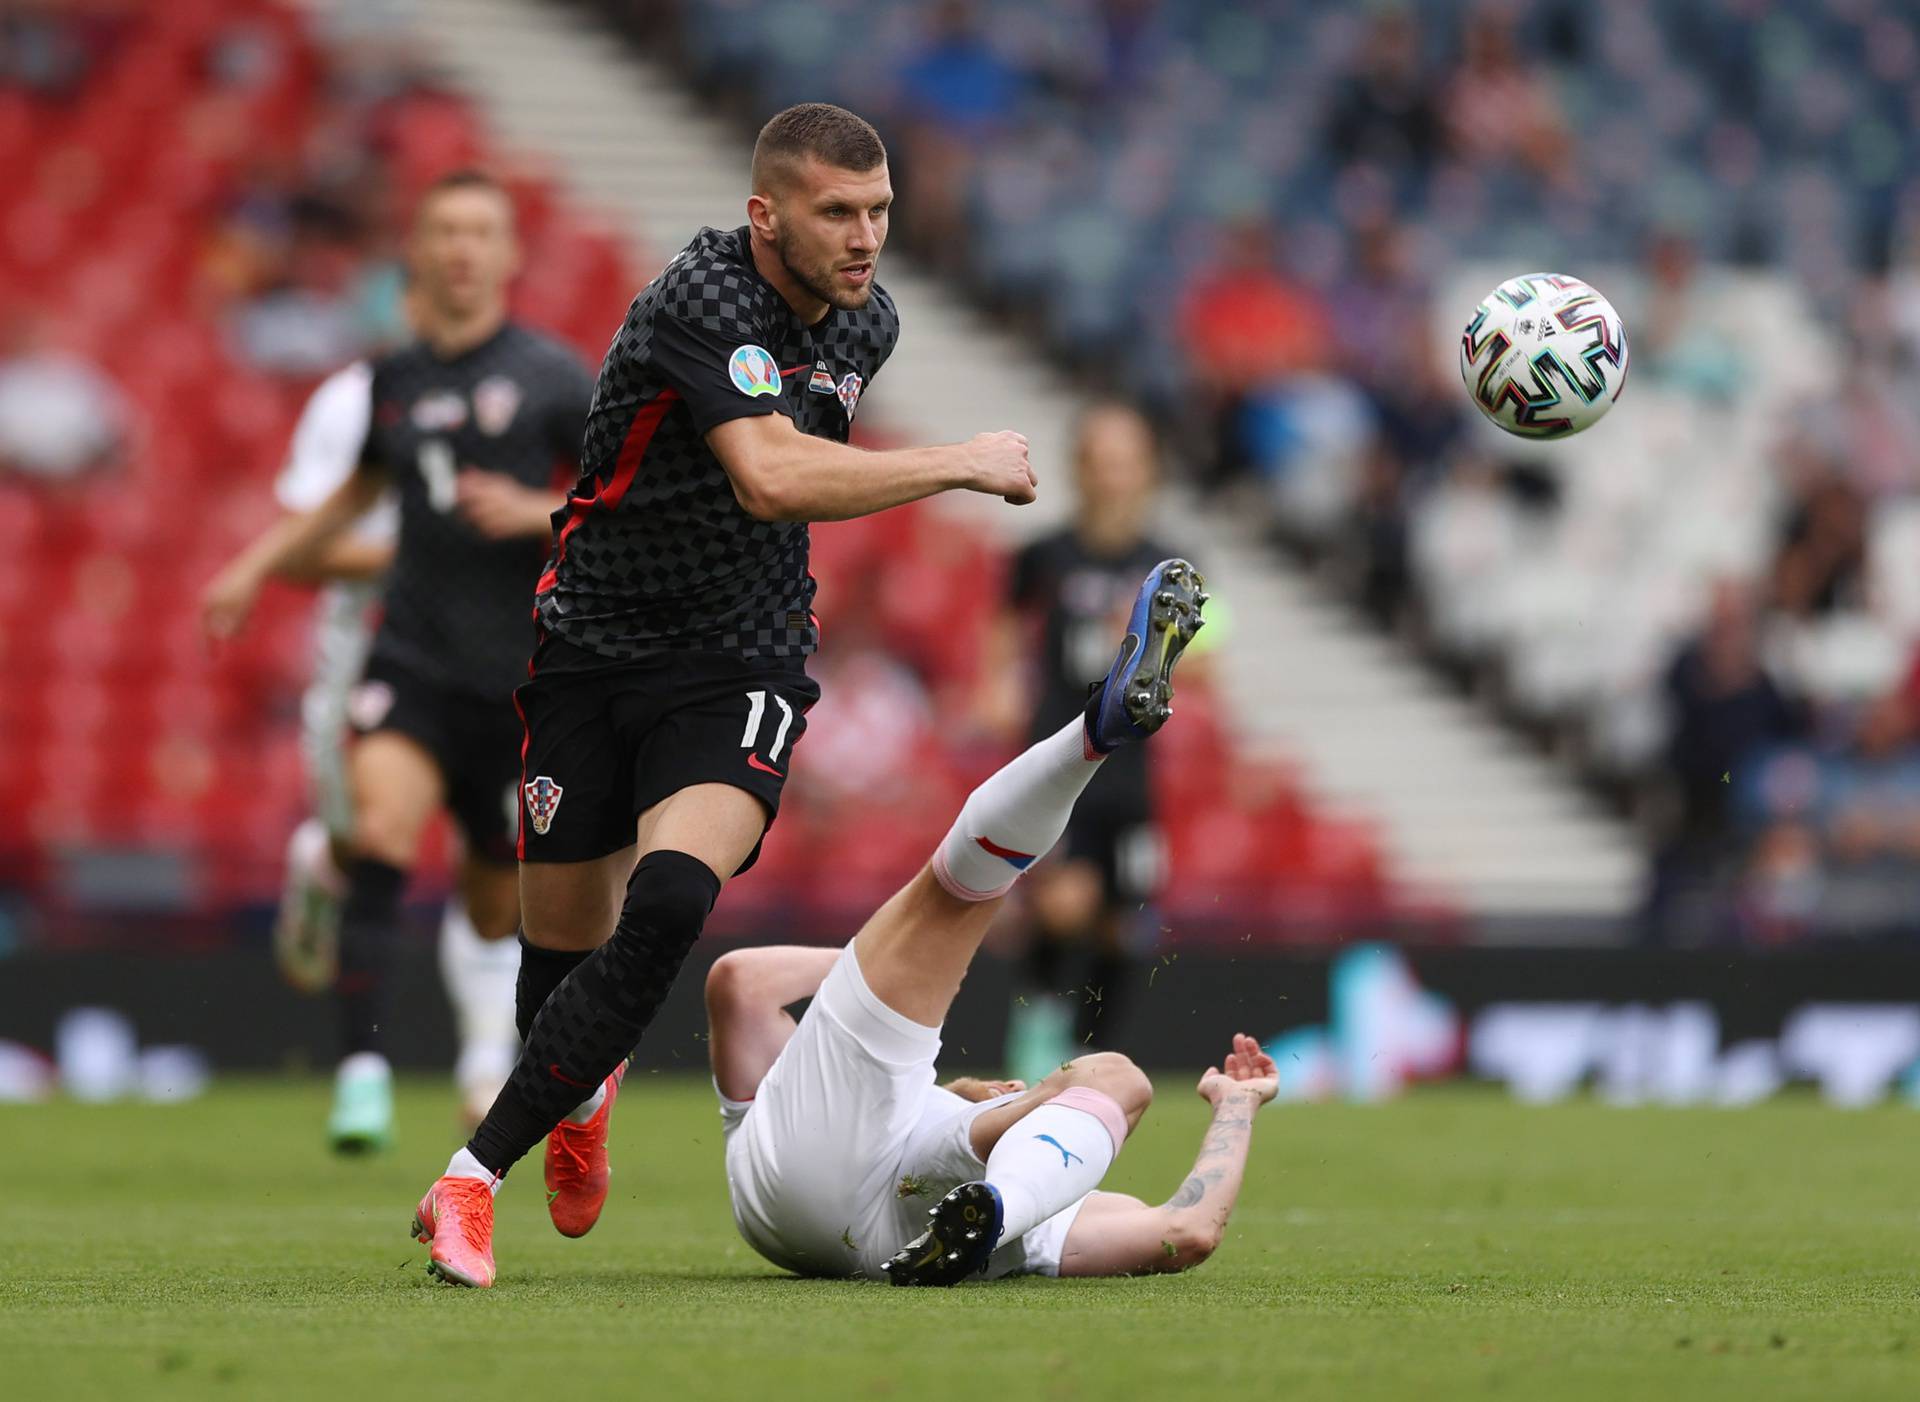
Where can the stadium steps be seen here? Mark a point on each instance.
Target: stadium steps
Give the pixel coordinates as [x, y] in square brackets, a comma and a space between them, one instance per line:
[1463, 811]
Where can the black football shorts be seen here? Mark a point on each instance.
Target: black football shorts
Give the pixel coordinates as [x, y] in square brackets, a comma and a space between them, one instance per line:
[1126, 847]
[475, 742]
[606, 739]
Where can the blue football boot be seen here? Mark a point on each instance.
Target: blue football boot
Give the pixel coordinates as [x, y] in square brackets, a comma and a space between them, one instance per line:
[1137, 696]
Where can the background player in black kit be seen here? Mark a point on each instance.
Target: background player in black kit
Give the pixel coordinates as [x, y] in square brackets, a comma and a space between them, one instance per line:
[1066, 588]
[669, 690]
[471, 424]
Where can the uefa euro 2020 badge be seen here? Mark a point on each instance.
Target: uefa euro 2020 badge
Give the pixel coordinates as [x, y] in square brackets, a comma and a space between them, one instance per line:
[754, 371]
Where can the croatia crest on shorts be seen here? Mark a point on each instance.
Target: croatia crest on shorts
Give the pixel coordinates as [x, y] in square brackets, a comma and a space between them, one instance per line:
[754, 371]
[543, 801]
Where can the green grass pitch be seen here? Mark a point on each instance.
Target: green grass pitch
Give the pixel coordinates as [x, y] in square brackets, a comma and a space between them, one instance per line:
[1452, 1245]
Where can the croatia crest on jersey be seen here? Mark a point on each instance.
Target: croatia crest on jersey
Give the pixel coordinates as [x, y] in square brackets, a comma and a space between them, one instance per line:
[754, 371]
[496, 400]
[543, 801]
[849, 391]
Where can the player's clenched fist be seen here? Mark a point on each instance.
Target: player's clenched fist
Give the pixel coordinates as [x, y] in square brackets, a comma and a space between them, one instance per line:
[1001, 467]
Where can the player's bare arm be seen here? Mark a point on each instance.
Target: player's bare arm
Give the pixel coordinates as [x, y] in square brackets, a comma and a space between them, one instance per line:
[296, 547]
[781, 474]
[1000, 699]
[1120, 1235]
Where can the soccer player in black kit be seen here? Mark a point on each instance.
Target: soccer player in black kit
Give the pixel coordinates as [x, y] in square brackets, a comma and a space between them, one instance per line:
[1066, 589]
[668, 690]
[469, 424]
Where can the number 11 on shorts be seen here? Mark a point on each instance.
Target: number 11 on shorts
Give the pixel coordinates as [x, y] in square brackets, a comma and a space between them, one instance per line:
[756, 709]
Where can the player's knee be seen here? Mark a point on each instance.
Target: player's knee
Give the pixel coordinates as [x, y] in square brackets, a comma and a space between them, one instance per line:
[1112, 1074]
[385, 836]
[492, 898]
[730, 982]
[668, 899]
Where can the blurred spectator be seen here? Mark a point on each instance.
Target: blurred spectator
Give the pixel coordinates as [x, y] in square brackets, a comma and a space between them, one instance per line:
[1246, 327]
[1836, 856]
[1676, 337]
[60, 415]
[1499, 110]
[1383, 309]
[957, 80]
[302, 274]
[49, 47]
[956, 94]
[1725, 712]
[1245, 322]
[1725, 709]
[1385, 112]
[1821, 565]
[1872, 790]
[304, 321]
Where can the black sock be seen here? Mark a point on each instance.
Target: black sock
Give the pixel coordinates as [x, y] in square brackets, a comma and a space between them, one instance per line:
[369, 922]
[595, 1018]
[541, 971]
[1043, 961]
[1095, 1019]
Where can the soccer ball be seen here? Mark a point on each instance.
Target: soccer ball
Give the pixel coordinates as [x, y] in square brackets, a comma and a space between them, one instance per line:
[1545, 356]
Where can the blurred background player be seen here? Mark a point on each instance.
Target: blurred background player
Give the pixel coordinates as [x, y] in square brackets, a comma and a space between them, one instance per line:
[478, 973]
[1085, 905]
[470, 427]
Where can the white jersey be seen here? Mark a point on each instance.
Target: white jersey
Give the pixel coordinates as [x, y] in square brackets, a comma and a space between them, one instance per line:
[326, 446]
[848, 1142]
[324, 452]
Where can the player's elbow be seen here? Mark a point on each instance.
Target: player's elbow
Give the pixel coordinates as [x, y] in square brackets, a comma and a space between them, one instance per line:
[766, 495]
[730, 982]
[1190, 1241]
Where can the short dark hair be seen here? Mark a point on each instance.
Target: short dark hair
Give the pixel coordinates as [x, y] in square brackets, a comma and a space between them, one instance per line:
[1112, 404]
[830, 134]
[462, 178]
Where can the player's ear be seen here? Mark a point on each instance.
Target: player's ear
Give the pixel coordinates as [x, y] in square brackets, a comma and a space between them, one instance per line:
[762, 215]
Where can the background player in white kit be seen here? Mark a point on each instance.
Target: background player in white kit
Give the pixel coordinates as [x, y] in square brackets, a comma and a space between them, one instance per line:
[469, 426]
[837, 1136]
[479, 974]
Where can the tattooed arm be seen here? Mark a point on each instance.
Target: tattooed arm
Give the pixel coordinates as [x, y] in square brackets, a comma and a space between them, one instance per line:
[1119, 1235]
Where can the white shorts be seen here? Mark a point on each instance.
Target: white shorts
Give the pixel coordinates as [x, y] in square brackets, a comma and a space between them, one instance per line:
[834, 1162]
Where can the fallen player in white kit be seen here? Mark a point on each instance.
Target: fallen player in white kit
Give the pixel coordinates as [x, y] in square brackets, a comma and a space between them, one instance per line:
[837, 1137]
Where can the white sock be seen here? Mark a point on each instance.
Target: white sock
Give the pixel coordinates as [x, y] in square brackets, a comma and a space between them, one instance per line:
[1054, 1156]
[310, 854]
[1011, 820]
[589, 1107]
[366, 1063]
[465, 1165]
[480, 975]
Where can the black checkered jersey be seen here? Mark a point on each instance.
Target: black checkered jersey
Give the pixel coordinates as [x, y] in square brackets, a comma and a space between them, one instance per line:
[456, 601]
[652, 550]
